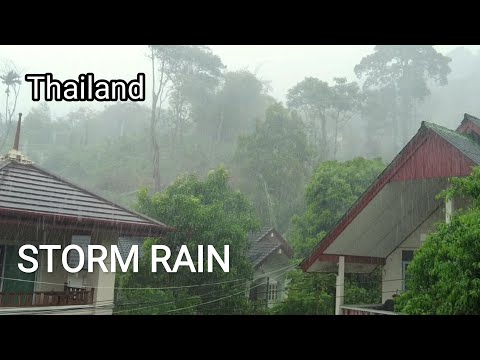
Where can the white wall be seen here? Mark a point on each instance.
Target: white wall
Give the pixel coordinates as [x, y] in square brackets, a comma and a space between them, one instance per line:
[105, 282]
[269, 269]
[392, 282]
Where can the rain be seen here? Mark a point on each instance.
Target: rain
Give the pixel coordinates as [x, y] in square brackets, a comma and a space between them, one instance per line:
[278, 180]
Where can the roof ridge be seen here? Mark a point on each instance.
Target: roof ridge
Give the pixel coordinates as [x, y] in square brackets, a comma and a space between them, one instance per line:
[472, 118]
[442, 130]
[260, 234]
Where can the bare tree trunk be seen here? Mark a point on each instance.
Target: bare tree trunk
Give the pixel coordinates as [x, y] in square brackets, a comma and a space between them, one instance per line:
[324, 149]
[220, 126]
[405, 119]
[155, 153]
[153, 135]
[337, 119]
[269, 202]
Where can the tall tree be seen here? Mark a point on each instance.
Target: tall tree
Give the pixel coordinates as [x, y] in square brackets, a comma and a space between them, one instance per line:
[377, 112]
[241, 100]
[203, 211]
[331, 106]
[313, 98]
[175, 70]
[334, 187]
[346, 99]
[11, 79]
[407, 69]
[272, 164]
[38, 134]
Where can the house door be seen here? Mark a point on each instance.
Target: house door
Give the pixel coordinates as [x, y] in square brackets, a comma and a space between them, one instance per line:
[11, 271]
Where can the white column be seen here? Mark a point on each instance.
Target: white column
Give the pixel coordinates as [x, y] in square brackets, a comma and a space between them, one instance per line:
[340, 285]
[103, 282]
[448, 210]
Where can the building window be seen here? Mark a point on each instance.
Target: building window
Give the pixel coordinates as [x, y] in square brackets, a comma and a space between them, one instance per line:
[272, 292]
[73, 257]
[407, 256]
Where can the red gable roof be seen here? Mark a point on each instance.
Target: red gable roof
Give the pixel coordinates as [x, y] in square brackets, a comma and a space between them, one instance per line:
[469, 125]
[432, 153]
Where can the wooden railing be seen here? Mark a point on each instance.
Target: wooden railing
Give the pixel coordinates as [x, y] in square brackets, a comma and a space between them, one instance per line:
[71, 296]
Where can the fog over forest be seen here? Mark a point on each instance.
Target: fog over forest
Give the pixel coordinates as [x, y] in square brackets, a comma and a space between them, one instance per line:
[287, 137]
[244, 81]
[108, 146]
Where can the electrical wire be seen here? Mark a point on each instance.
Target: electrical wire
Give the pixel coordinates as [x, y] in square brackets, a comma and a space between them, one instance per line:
[145, 288]
[89, 309]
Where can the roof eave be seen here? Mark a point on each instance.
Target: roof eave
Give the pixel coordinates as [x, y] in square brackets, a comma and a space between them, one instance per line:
[381, 180]
[64, 221]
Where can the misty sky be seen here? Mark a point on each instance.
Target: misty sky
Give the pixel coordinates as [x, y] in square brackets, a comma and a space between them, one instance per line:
[282, 65]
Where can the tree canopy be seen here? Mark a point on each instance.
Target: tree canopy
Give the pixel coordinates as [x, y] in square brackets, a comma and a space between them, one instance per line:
[334, 187]
[272, 165]
[205, 211]
[404, 72]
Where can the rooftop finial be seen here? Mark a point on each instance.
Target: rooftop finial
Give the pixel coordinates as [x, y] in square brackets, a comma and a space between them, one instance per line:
[17, 134]
[14, 154]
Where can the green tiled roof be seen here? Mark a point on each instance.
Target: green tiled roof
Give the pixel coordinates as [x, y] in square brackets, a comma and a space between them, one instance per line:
[466, 144]
[473, 119]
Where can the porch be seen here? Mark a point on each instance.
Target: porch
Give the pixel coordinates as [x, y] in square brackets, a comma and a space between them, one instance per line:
[385, 235]
[70, 296]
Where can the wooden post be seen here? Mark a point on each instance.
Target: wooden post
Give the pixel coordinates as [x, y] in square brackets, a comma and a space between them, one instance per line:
[340, 286]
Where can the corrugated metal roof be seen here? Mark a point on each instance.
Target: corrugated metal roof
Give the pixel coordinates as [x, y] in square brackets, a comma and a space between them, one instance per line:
[466, 144]
[29, 189]
[264, 243]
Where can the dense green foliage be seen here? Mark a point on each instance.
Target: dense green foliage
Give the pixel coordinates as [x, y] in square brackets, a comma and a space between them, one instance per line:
[334, 187]
[292, 163]
[402, 73]
[444, 275]
[272, 166]
[202, 212]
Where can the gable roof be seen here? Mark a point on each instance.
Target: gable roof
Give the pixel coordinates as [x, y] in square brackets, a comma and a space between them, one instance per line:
[464, 143]
[470, 124]
[471, 118]
[264, 243]
[29, 191]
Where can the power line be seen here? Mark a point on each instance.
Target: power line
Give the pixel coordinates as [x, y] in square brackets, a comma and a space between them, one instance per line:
[153, 304]
[146, 288]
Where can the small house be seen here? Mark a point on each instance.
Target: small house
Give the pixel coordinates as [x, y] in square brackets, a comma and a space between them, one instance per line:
[270, 256]
[38, 207]
[392, 218]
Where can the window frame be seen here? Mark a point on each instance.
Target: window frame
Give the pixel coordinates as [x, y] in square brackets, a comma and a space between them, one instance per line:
[272, 291]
